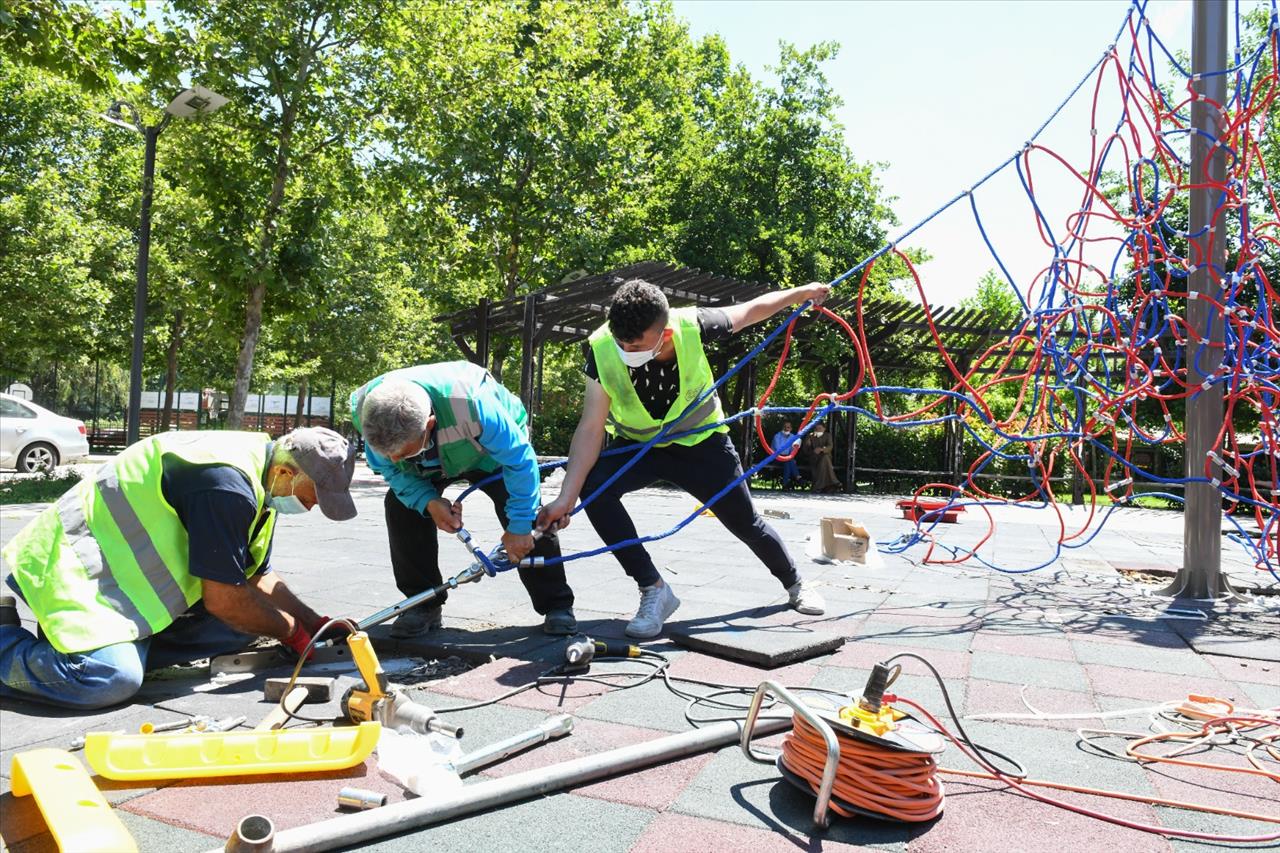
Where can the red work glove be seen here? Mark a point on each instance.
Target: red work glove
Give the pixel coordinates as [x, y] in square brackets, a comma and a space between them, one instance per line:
[298, 640]
[337, 631]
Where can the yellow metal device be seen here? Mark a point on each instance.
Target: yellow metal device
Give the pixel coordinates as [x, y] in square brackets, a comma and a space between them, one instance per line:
[204, 754]
[77, 814]
[364, 705]
[871, 722]
[374, 700]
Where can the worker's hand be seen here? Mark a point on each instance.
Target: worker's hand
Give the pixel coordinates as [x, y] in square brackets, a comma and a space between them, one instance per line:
[517, 545]
[299, 639]
[555, 515]
[815, 292]
[337, 632]
[446, 515]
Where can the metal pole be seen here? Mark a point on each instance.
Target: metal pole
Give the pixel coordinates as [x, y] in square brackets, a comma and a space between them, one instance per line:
[1201, 576]
[482, 333]
[97, 363]
[132, 427]
[360, 828]
[527, 343]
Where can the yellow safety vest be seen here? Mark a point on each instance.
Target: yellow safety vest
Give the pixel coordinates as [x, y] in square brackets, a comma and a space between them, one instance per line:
[628, 417]
[108, 563]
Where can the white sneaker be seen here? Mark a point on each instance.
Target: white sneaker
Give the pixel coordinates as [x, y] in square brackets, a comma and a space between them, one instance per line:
[656, 604]
[804, 598]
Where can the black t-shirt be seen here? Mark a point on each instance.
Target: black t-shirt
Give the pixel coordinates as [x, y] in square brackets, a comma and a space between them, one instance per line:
[657, 384]
[215, 503]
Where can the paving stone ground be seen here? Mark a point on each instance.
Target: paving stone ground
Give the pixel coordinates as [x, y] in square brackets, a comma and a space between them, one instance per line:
[1077, 637]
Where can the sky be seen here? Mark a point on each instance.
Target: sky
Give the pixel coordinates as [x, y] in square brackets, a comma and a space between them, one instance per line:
[943, 92]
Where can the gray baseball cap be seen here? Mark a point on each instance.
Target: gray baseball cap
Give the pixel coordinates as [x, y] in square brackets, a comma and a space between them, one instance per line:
[330, 461]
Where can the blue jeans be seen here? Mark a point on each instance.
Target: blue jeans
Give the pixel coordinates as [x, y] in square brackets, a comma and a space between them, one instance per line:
[32, 669]
[790, 471]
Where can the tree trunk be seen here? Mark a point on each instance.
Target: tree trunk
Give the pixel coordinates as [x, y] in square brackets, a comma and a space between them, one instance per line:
[303, 385]
[171, 371]
[266, 242]
[499, 354]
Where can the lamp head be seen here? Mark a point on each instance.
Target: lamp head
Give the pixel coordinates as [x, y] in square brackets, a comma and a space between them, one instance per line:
[195, 101]
[115, 115]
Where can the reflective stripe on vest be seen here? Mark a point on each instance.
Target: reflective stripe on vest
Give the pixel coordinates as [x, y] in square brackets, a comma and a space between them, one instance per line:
[75, 527]
[702, 414]
[465, 427]
[628, 418]
[159, 576]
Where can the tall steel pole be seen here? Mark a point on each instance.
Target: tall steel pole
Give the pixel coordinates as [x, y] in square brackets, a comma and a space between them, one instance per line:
[132, 427]
[1201, 575]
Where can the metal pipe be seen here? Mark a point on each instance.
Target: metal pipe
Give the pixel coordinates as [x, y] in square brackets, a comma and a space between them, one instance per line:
[361, 799]
[550, 729]
[253, 834]
[362, 827]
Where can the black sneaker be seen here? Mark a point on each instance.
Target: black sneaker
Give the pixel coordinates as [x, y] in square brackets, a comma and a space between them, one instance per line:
[9, 611]
[416, 622]
[560, 623]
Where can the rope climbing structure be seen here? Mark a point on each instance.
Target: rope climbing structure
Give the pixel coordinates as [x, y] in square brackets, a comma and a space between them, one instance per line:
[1105, 355]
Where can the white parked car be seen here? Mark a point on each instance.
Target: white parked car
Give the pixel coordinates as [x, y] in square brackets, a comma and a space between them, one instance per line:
[33, 438]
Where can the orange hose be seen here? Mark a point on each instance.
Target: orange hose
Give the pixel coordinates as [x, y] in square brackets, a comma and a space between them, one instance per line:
[900, 785]
[1119, 795]
[1215, 725]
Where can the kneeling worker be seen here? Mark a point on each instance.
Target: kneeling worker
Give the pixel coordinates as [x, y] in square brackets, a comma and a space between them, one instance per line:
[644, 367]
[162, 557]
[428, 426]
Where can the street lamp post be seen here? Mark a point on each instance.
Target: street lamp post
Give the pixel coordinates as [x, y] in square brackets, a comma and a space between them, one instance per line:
[194, 101]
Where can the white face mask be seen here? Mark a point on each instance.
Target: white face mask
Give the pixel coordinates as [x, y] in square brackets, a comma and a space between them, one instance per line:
[288, 504]
[638, 359]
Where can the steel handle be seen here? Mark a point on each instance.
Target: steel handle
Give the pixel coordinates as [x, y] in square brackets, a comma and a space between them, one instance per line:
[555, 727]
[470, 574]
[821, 815]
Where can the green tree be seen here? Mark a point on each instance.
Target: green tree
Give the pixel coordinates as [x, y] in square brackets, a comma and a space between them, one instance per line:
[302, 77]
[64, 247]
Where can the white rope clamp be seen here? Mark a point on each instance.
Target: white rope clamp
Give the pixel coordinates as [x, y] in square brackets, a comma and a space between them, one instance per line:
[1119, 484]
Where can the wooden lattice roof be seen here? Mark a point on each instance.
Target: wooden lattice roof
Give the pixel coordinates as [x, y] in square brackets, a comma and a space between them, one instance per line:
[570, 311]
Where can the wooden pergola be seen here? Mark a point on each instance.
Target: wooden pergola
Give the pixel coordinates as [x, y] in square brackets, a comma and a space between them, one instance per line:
[569, 312]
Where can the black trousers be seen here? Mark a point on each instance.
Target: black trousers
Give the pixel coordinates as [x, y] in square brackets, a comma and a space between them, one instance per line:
[415, 551]
[702, 470]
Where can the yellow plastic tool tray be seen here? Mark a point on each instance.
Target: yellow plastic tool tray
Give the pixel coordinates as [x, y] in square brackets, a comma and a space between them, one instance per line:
[196, 755]
[78, 816]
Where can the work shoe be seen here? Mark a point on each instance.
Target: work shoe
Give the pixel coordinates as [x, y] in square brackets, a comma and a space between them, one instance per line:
[656, 604]
[9, 610]
[560, 622]
[804, 598]
[416, 622]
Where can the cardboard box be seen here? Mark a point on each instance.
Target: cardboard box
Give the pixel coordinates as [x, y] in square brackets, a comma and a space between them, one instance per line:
[845, 539]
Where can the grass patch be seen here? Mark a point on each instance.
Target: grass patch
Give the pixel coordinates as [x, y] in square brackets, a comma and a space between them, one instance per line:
[42, 488]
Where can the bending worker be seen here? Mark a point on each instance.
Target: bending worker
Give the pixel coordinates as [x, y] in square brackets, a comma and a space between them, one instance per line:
[163, 557]
[644, 367]
[428, 426]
